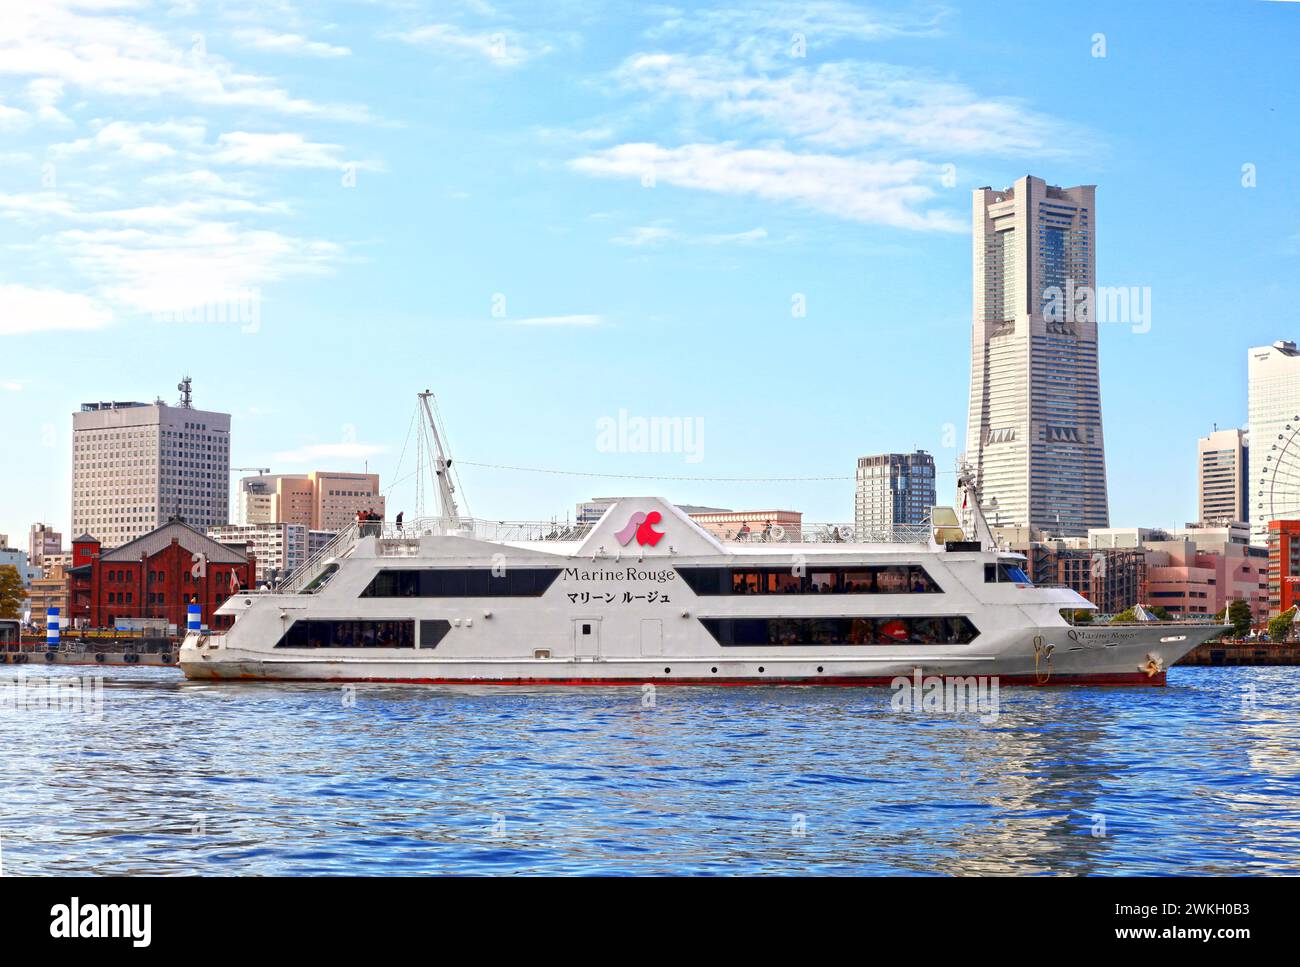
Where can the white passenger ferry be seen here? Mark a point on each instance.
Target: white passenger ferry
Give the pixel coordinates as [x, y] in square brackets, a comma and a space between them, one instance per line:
[648, 595]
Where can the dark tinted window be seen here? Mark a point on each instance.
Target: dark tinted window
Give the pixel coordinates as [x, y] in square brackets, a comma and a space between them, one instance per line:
[940, 630]
[317, 633]
[432, 632]
[1010, 573]
[528, 582]
[872, 579]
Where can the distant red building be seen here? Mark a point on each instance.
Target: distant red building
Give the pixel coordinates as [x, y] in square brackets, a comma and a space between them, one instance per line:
[1283, 565]
[155, 576]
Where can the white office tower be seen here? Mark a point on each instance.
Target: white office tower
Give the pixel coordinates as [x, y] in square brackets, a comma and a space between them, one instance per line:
[137, 465]
[1034, 436]
[1273, 374]
[1222, 482]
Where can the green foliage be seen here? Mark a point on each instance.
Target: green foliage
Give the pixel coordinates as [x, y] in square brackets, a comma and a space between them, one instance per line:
[12, 592]
[1279, 628]
[1239, 616]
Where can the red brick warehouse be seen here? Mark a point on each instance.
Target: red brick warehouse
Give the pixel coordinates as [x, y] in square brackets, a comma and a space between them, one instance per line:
[156, 575]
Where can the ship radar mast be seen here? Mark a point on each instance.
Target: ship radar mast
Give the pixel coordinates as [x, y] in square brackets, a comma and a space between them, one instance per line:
[441, 467]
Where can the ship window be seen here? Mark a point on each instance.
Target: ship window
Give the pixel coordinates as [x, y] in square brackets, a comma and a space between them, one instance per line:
[871, 579]
[324, 633]
[432, 632]
[932, 630]
[1010, 573]
[517, 582]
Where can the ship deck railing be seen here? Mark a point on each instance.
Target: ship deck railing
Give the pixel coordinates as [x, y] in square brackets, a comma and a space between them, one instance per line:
[403, 540]
[393, 540]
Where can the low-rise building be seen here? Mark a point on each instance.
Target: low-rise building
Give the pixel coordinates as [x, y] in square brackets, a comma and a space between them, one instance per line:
[727, 525]
[1193, 572]
[49, 591]
[18, 559]
[1283, 565]
[155, 576]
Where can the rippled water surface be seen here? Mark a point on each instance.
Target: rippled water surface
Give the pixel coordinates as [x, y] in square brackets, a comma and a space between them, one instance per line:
[178, 777]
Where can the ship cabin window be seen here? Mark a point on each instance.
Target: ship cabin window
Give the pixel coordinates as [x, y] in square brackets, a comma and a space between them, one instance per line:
[944, 630]
[511, 582]
[325, 633]
[874, 579]
[1003, 572]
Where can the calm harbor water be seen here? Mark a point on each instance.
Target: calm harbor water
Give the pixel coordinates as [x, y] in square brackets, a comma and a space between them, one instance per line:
[173, 777]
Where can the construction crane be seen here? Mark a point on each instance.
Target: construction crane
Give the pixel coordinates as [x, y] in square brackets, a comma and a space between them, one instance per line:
[262, 471]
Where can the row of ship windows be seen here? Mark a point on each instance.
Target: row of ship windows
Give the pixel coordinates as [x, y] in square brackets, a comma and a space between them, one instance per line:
[325, 633]
[892, 579]
[534, 582]
[521, 582]
[945, 630]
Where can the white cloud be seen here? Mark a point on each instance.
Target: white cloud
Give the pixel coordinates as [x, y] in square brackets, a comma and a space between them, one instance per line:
[66, 42]
[878, 192]
[654, 235]
[267, 40]
[12, 117]
[854, 105]
[199, 180]
[774, 24]
[575, 320]
[645, 235]
[137, 141]
[27, 310]
[743, 238]
[496, 46]
[167, 270]
[37, 204]
[315, 452]
[44, 94]
[280, 150]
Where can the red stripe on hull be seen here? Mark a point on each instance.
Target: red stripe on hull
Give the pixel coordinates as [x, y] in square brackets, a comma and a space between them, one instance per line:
[1118, 678]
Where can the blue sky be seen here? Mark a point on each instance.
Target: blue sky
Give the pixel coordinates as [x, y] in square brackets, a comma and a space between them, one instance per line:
[550, 213]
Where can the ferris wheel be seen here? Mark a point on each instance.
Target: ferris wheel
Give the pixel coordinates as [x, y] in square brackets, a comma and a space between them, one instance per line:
[1279, 496]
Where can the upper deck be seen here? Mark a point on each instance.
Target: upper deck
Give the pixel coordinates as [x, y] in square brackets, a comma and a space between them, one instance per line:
[637, 529]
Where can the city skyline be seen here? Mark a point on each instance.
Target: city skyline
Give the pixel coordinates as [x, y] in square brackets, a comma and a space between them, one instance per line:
[854, 215]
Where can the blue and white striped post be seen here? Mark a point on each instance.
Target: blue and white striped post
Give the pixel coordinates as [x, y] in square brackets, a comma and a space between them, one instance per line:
[52, 629]
[194, 618]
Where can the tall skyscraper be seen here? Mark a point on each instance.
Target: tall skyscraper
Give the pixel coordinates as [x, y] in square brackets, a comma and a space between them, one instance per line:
[893, 488]
[1034, 433]
[137, 465]
[1221, 460]
[1273, 375]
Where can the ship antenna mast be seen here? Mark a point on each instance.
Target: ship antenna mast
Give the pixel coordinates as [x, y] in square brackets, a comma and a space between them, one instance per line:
[975, 524]
[441, 467]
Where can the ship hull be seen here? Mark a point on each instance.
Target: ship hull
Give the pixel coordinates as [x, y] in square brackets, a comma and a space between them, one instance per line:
[1120, 656]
